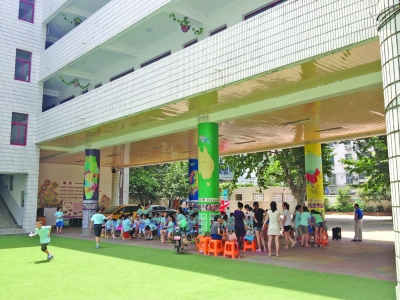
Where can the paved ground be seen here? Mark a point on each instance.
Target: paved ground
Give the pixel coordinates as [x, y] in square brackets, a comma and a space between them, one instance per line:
[372, 258]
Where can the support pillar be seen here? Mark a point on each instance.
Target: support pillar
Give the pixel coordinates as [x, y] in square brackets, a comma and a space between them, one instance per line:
[91, 187]
[314, 178]
[115, 186]
[389, 35]
[208, 161]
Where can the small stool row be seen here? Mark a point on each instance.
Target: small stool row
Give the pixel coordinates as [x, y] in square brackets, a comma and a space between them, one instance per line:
[226, 248]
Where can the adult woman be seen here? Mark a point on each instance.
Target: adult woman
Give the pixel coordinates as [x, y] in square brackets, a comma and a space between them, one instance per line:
[286, 224]
[215, 230]
[96, 222]
[258, 217]
[274, 226]
[239, 223]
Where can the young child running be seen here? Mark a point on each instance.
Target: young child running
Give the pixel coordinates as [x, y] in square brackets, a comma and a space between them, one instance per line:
[44, 233]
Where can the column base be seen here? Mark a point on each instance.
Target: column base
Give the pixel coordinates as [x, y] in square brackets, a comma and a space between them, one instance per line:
[87, 231]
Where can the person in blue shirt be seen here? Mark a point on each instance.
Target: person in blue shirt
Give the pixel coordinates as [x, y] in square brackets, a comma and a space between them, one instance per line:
[358, 216]
[109, 228]
[126, 228]
[96, 222]
[44, 233]
[59, 221]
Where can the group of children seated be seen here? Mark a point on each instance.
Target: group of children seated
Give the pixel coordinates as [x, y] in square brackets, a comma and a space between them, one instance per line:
[149, 227]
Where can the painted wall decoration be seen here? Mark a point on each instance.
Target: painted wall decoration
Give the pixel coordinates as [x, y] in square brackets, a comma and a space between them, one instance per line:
[208, 164]
[105, 201]
[314, 179]
[72, 209]
[193, 180]
[48, 195]
[91, 174]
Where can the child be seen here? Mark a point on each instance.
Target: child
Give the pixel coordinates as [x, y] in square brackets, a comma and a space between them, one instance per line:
[143, 223]
[44, 233]
[126, 227]
[170, 227]
[136, 225]
[296, 220]
[303, 226]
[118, 226]
[231, 223]
[59, 221]
[248, 223]
[164, 227]
[109, 228]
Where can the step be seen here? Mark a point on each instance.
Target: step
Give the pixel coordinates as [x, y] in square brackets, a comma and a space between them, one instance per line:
[12, 231]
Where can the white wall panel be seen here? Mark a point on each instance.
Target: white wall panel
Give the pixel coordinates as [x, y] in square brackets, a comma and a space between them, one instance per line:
[258, 45]
[108, 21]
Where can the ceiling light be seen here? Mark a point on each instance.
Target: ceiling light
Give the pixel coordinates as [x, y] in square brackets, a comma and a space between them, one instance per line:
[296, 122]
[149, 29]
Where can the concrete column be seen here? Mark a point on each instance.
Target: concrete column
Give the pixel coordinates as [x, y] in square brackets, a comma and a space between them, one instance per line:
[91, 187]
[208, 155]
[31, 200]
[115, 186]
[314, 178]
[125, 185]
[389, 35]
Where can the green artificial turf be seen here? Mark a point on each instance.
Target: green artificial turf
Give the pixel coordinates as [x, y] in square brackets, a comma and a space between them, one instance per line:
[79, 271]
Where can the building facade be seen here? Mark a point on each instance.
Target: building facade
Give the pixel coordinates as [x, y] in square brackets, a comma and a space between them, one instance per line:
[134, 79]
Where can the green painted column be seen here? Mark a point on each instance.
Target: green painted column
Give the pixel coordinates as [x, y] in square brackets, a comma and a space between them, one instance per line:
[208, 160]
[314, 178]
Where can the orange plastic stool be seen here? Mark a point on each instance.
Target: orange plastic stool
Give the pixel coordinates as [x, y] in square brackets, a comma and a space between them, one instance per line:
[215, 246]
[325, 239]
[203, 246]
[250, 246]
[198, 241]
[232, 249]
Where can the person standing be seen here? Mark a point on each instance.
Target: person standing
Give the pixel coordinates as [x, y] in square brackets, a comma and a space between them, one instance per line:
[258, 218]
[59, 221]
[275, 223]
[44, 233]
[358, 216]
[287, 220]
[239, 223]
[96, 222]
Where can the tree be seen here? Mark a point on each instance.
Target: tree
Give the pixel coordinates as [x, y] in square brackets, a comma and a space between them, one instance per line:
[286, 166]
[165, 181]
[372, 160]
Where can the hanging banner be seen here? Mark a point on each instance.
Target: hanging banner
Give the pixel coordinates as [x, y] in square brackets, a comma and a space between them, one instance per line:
[314, 179]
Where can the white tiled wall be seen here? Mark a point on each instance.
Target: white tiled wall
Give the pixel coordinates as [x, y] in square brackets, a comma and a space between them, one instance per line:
[21, 97]
[390, 59]
[288, 33]
[108, 21]
[51, 6]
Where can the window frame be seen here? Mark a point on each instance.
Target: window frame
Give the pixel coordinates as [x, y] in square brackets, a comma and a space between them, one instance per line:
[96, 86]
[20, 124]
[260, 10]
[24, 62]
[33, 10]
[155, 59]
[190, 43]
[218, 30]
[67, 99]
[120, 75]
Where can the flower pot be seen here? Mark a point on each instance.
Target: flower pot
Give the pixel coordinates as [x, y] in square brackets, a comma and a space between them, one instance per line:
[77, 22]
[185, 28]
[75, 84]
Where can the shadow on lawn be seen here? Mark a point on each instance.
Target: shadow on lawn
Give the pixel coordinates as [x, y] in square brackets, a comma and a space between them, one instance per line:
[341, 286]
[41, 262]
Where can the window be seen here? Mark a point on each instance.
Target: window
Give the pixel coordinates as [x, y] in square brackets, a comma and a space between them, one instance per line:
[67, 99]
[332, 180]
[361, 176]
[98, 85]
[238, 197]
[19, 128]
[188, 44]
[155, 59]
[348, 156]
[84, 91]
[23, 66]
[258, 197]
[349, 179]
[218, 30]
[262, 9]
[26, 9]
[122, 74]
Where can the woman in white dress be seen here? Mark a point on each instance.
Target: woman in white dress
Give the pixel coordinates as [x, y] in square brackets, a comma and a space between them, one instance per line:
[274, 227]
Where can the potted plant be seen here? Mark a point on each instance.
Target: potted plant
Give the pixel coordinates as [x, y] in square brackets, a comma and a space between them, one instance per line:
[76, 21]
[185, 25]
[74, 82]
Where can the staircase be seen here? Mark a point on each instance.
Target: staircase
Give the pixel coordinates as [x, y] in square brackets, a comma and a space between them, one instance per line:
[8, 226]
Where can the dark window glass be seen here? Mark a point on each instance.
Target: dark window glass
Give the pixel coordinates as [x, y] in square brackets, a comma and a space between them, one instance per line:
[122, 74]
[218, 30]
[26, 10]
[155, 59]
[23, 66]
[19, 128]
[259, 11]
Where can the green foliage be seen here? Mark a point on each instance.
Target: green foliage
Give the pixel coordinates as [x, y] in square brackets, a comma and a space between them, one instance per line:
[75, 82]
[75, 21]
[343, 196]
[284, 168]
[372, 161]
[342, 208]
[167, 181]
[185, 22]
[326, 202]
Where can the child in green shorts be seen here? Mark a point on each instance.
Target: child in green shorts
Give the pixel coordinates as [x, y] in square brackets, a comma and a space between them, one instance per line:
[44, 233]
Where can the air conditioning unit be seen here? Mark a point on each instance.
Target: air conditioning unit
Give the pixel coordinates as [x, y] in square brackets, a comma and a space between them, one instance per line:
[348, 147]
[355, 177]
